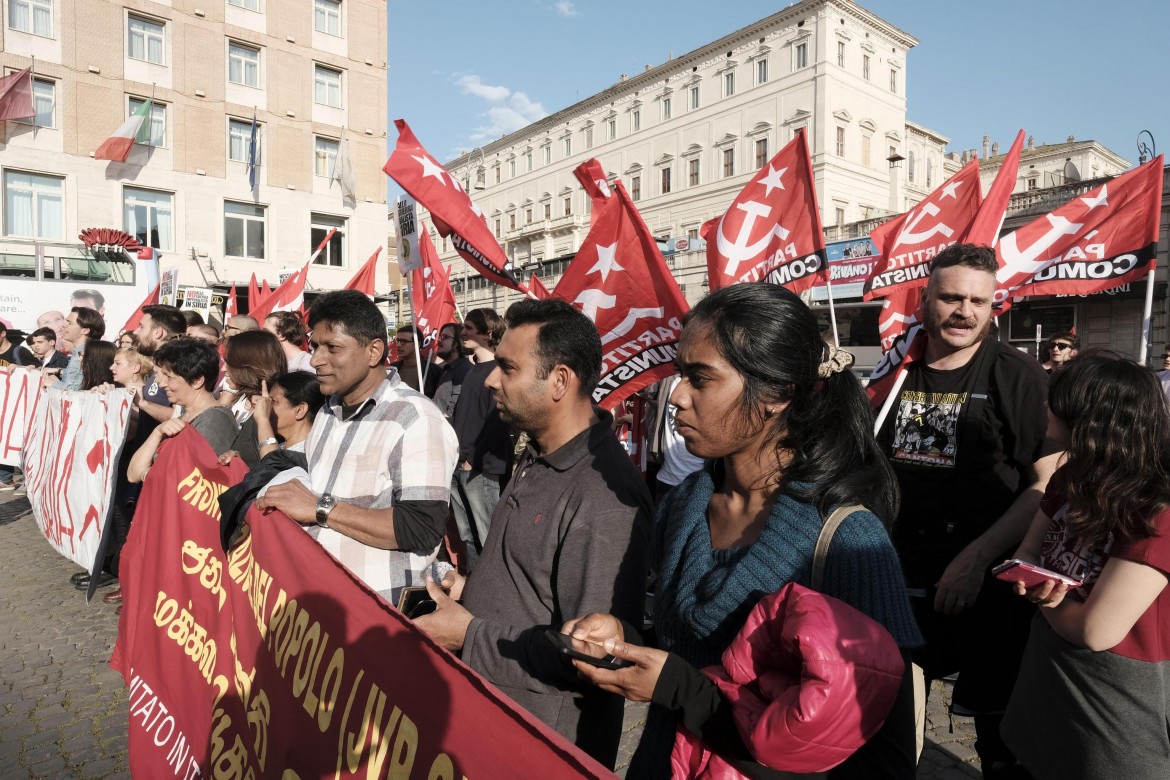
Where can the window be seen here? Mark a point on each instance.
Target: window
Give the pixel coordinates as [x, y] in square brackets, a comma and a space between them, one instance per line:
[239, 139]
[326, 86]
[496, 173]
[636, 187]
[840, 54]
[865, 66]
[548, 211]
[327, 17]
[611, 129]
[840, 216]
[800, 56]
[866, 141]
[729, 84]
[31, 16]
[589, 137]
[243, 65]
[568, 207]
[693, 233]
[665, 181]
[497, 228]
[840, 141]
[145, 38]
[1031, 183]
[243, 230]
[929, 173]
[694, 97]
[547, 155]
[761, 71]
[528, 161]
[33, 205]
[761, 152]
[511, 222]
[528, 216]
[910, 165]
[567, 144]
[148, 215]
[893, 81]
[692, 173]
[44, 99]
[666, 108]
[154, 133]
[251, 5]
[334, 252]
[511, 169]
[635, 121]
[728, 162]
[324, 155]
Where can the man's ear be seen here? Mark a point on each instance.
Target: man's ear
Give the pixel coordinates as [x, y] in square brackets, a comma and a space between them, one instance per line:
[375, 351]
[562, 381]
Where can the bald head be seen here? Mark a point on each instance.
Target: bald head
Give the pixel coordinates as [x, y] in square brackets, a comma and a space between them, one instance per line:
[239, 324]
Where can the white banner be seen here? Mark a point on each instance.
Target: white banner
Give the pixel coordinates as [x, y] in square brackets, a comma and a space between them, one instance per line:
[19, 389]
[168, 290]
[73, 443]
[198, 299]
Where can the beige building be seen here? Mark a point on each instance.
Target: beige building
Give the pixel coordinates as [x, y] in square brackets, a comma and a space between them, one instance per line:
[1049, 165]
[312, 72]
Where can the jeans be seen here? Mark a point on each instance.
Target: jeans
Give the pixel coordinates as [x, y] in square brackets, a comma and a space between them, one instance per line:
[473, 498]
[6, 474]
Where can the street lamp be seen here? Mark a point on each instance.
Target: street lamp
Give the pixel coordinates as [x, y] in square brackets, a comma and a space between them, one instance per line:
[479, 171]
[1146, 152]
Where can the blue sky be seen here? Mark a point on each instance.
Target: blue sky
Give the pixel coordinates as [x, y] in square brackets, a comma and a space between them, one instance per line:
[462, 73]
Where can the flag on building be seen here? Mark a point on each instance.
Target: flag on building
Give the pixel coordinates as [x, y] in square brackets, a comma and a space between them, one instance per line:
[619, 279]
[431, 297]
[452, 211]
[117, 147]
[16, 96]
[1103, 239]
[772, 231]
[363, 280]
[254, 154]
[342, 173]
[537, 288]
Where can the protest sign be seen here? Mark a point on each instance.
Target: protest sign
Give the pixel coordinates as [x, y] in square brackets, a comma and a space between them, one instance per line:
[275, 662]
[72, 446]
[19, 389]
[198, 299]
[169, 287]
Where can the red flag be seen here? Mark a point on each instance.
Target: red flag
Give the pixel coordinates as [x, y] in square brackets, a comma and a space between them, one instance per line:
[772, 231]
[900, 311]
[984, 229]
[596, 183]
[363, 280]
[907, 244]
[233, 306]
[288, 296]
[135, 318]
[253, 292]
[1098, 241]
[453, 213]
[537, 288]
[265, 290]
[908, 347]
[431, 296]
[620, 280]
[16, 96]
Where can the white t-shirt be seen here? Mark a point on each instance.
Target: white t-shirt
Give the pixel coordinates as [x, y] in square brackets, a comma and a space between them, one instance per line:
[677, 462]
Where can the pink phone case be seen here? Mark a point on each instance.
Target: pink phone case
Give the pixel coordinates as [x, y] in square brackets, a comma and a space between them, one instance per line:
[1030, 574]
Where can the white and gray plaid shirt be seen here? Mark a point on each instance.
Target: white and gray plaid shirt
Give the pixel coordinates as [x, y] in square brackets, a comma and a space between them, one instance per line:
[396, 447]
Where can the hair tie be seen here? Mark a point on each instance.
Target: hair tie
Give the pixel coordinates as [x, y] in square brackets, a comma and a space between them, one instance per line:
[836, 361]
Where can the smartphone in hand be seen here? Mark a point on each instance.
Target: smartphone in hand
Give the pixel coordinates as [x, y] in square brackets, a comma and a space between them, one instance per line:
[577, 650]
[1030, 574]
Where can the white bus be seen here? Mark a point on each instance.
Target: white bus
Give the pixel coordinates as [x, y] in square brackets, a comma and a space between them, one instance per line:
[40, 283]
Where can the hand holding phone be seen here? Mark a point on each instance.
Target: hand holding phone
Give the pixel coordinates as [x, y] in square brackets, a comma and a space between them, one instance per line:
[580, 650]
[1030, 574]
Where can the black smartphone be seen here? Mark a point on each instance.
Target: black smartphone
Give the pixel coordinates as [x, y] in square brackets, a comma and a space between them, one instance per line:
[568, 648]
[416, 602]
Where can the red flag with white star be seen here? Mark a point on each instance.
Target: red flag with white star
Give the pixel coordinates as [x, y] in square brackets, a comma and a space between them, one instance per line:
[233, 305]
[772, 231]
[431, 296]
[621, 282]
[1103, 239]
[453, 213]
[596, 183]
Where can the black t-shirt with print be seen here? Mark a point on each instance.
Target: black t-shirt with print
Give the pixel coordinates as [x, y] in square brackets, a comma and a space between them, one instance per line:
[958, 473]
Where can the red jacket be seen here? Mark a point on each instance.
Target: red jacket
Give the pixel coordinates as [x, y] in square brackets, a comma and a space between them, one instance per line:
[810, 679]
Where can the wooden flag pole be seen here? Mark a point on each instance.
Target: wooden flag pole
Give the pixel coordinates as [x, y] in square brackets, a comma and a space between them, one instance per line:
[888, 404]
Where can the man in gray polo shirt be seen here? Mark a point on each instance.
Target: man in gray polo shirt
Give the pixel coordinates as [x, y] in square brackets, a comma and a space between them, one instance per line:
[569, 535]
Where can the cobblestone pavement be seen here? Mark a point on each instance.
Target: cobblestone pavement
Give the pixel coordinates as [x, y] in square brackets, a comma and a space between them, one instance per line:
[63, 710]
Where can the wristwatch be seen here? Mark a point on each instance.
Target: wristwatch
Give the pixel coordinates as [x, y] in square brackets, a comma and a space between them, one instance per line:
[325, 505]
[269, 440]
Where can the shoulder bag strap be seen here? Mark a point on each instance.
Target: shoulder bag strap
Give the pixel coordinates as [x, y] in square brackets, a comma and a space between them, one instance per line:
[821, 553]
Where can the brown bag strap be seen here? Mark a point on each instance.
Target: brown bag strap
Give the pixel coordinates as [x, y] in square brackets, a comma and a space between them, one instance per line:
[821, 553]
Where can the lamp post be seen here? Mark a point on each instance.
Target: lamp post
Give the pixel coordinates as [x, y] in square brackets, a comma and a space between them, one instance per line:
[895, 161]
[478, 170]
[1146, 152]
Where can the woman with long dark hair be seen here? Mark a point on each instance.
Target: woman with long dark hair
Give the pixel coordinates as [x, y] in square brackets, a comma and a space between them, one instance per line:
[788, 436]
[1091, 698]
[95, 364]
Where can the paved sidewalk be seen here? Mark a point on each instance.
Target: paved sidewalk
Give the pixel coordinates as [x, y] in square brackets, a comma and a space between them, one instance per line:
[63, 710]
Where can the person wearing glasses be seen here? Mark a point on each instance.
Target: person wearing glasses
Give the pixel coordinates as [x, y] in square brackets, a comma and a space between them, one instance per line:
[238, 324]
[404, 340]
[1164, 374]
[1062, 348]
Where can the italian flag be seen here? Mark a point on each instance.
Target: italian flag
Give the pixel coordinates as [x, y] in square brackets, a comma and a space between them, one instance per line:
[118, 145]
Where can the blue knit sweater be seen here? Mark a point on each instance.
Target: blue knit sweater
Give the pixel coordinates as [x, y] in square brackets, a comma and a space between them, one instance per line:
[705, 595]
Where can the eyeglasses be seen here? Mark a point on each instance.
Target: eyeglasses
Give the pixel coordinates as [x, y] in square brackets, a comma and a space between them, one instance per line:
[403, 341]
[1166, 356]
[1062, 346]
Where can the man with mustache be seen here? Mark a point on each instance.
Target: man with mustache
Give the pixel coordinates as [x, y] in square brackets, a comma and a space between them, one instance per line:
[966, 438]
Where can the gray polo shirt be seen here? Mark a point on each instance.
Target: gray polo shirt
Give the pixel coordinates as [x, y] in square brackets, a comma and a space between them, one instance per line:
[569, 536]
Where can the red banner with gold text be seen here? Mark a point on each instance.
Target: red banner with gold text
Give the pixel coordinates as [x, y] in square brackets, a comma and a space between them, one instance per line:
[275, 662]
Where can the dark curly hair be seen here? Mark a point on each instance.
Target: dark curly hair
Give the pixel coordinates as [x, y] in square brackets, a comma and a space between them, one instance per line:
[1118, 468]
[773, 341]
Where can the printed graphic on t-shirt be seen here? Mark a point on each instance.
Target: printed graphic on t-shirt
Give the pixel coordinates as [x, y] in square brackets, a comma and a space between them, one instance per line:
[1061, 551]
[926, 430]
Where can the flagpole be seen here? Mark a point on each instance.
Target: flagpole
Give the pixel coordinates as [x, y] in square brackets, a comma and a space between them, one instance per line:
[1147, 317]
[888, 404]
[414, 328]
[832, 307]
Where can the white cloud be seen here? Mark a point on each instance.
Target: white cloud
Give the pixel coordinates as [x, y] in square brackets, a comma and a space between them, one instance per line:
[507, 111]
[565, 8]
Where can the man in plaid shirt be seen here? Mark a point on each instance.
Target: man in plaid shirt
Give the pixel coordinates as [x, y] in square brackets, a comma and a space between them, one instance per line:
[380, 455]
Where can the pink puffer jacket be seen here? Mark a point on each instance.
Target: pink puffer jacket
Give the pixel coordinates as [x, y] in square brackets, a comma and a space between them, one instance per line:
[810, 679]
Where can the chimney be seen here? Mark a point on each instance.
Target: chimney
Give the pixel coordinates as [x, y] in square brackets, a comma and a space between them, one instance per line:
[647, 69]
[995, 149]
[1031, 142]
[1072, 139]
[623, 78]
[986, 146]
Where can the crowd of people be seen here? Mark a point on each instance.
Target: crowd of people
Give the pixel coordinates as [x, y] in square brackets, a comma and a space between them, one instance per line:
[486, 475]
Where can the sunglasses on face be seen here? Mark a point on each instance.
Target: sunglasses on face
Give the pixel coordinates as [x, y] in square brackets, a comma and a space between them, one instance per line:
[1062, 347]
